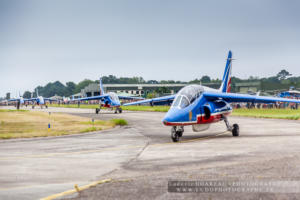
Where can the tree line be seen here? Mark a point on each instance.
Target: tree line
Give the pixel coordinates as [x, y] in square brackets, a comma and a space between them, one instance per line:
[282, 80]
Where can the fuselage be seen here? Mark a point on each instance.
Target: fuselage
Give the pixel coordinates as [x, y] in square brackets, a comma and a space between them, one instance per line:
[21, 100]
[111, 101]
[40, 100]
[190, 107]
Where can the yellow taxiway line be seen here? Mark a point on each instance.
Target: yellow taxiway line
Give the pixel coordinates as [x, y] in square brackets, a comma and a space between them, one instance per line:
[76, 189]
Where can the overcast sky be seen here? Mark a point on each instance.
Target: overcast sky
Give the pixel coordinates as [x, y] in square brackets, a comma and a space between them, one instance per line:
[43, 41]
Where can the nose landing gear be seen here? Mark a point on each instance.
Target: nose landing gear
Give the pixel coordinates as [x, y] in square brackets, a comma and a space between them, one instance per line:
[176, 133]
[234, 128]
[118, 109]
[98, 109]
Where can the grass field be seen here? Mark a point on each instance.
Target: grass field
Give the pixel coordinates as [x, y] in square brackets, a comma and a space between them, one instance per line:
[268, 113]
[26, 124]
[147, 108]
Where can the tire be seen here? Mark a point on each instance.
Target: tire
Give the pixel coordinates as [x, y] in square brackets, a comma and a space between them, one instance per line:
[174, 135]
[120, 110]
[179, 133]
[97, 110]
[235, 130]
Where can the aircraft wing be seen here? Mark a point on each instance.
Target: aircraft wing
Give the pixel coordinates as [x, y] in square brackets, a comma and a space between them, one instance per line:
[125, 97]
[13, 100]
[32, 99]
[154, 100]
[234, 97]
[26, 100]
[92, 98]
[48, 99]
[19, 100]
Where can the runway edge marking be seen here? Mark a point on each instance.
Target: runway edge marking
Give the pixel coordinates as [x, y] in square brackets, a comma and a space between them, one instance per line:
[76, 189]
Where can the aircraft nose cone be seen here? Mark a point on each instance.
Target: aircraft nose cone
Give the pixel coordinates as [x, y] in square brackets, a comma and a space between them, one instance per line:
[166, 120]
[171, 116]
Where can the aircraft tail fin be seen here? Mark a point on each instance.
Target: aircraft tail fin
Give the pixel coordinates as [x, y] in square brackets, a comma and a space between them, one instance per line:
[226, 81]
[101, 86]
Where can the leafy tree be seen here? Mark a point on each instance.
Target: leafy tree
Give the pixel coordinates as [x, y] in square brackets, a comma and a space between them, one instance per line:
[283, 74]
[205, 79]
[82, 85]
[70, 88]
[151, 95]
[152, 82]
[195, 81]
[7, 96]
[27, 95]
[162, 90]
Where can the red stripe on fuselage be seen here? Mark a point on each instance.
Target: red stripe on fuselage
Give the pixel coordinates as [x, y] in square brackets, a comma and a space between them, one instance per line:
[212, 118]
[108, 106]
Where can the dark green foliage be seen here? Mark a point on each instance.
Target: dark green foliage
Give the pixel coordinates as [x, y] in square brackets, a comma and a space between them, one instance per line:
[82, 85]
[51, 89]
[122, 80]
[27, 95]
[283, 74]
[205, 79]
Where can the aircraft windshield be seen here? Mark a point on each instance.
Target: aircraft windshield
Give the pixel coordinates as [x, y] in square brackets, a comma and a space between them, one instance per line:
[113, 97]
[187, 96]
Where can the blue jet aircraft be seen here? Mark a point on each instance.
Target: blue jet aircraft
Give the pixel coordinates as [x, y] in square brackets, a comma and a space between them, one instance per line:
[108, 100]
[20, 101]
[200, 106]
[39, 100]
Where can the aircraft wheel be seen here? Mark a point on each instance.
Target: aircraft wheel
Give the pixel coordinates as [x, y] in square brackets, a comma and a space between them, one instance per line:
[174, 135]
[116, 111]
[97, 110]
[32, 107]
[235, 130]
[179, 133]
[46, 106]
[120, 110]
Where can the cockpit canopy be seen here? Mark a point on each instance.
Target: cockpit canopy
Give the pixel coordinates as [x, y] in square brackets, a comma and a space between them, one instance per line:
[187, 96]
[113, 96]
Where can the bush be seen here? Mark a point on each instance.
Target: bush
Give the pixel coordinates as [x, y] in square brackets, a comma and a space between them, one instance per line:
[121, 122]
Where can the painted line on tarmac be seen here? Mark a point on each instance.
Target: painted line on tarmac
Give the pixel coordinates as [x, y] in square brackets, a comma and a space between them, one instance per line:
[109, 149]
[76, 189]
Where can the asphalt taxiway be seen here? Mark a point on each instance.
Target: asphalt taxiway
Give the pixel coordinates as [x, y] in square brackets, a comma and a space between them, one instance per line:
[143, 155]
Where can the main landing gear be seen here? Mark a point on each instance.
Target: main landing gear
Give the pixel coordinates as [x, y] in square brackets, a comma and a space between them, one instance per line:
[118, 109]
[98, 110]
[176, 133]
[234, 128]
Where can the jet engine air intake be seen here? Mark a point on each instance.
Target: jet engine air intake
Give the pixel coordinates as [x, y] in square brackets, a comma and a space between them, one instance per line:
[207, 112]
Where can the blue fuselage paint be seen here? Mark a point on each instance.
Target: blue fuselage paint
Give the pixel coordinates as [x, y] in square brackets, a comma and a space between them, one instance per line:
[195, 112]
